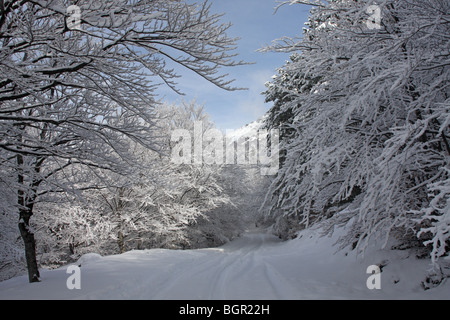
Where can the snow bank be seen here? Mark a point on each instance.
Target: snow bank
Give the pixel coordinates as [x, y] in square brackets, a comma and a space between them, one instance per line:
[88, 258]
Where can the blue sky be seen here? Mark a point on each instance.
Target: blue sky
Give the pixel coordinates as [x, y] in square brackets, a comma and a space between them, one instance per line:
[256, 24]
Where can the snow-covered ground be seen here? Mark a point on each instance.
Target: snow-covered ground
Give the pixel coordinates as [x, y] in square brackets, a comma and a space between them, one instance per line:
[255, 266]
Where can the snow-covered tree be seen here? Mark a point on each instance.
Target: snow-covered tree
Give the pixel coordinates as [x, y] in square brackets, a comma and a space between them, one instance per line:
[68, 229]
[435, 218]
[195, 189]
[78, 85]
[158, 205]
[11, 254]
[373, 131]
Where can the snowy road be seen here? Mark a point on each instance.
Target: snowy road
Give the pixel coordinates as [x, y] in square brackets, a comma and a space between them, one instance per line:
[255, 266]
[237, 270]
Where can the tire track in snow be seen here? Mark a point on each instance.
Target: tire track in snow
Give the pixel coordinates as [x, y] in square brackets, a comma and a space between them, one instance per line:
[276, 279]
[248, 270]
[188, 276]
[220, 288]
[236, 270]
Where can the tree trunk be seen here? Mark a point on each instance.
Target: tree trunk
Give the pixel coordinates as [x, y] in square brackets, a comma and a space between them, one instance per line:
[30, 246]
[121, 242]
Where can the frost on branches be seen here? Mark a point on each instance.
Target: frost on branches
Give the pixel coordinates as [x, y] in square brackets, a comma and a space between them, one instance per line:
[370, 138]
[75, 94]
[437, 217]
[158, 205]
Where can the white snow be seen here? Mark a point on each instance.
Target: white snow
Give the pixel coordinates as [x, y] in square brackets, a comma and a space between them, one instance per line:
[88, 258]
[256, 266]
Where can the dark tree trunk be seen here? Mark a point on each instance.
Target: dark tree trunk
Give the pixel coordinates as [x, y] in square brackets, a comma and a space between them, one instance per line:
[121, 242]
[30, 246]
